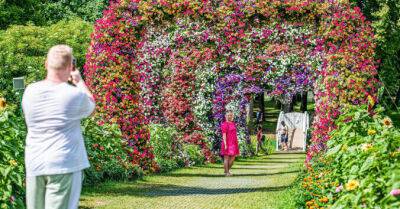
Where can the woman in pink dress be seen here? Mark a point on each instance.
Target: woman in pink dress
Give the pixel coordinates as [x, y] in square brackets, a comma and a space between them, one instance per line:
[230, 145]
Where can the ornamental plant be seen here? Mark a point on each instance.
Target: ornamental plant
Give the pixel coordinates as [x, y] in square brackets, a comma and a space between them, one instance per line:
[12, 177]
[107, 154]
[361, 167]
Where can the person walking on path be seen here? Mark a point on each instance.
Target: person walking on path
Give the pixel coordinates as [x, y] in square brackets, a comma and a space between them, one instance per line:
[230, 145]
[55, 153]
[283, 132]
[260, 140]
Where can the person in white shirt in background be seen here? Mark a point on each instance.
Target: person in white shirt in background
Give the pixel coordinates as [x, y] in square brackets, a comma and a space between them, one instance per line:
[55, 154]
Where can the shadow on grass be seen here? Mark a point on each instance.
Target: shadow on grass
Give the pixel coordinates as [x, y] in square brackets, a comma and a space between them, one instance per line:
[163, 190]
[222, 175]
[266, 162]
[85, 207]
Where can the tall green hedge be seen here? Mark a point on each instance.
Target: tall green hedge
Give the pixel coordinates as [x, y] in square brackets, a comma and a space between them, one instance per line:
[23, 50]
[48, 12]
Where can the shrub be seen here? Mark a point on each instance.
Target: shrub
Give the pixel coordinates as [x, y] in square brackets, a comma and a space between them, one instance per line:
[170, 153]
[194, 155]
[12, 138]
[361, 166]
[166, 150]
[23, 50]
[107, 154]
[48, 12]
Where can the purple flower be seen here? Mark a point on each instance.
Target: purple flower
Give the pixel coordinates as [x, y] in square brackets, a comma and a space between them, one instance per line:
[395, 192]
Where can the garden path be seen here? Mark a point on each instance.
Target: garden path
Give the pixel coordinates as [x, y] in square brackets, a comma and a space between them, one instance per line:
[259, 182]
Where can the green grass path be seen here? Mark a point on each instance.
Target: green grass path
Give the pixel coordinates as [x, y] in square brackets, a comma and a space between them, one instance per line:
[259, 182]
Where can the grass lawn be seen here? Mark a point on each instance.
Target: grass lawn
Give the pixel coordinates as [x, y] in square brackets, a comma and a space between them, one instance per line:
[259, 182]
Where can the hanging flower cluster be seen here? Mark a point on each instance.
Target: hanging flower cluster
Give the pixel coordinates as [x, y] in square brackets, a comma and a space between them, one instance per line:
[179, 95]
[229, 96]
[348, 72]
[153, 54]
[111, 74]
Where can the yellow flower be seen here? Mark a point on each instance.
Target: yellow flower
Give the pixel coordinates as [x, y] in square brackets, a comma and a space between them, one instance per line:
[365, 147]
[309, 203]
[352, 185]
[324, 199]
[13, 162]
[387, 122]
[371, 132]
[371, 100]
[2, 103]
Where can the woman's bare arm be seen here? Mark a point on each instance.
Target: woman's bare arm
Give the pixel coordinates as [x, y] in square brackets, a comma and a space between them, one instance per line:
[224, 138]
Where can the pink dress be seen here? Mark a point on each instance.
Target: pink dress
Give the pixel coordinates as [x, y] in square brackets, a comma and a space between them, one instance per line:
[231, 139]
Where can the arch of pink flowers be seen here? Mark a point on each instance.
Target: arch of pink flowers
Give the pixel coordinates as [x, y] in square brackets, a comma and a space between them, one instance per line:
[114, 68]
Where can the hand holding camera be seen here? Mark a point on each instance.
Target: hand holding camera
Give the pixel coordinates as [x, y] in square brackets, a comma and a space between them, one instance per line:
[75, 76]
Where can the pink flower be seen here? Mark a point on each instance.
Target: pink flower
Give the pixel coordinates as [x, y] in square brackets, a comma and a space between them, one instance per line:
[339, 188]
[395, 192]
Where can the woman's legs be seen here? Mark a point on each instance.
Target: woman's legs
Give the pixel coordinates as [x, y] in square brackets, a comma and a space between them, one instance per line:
[226, 164]
[231, 160]
[258, 147]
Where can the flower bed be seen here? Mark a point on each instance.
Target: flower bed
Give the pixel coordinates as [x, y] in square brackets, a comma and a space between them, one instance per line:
[361, 168]
[12, 177]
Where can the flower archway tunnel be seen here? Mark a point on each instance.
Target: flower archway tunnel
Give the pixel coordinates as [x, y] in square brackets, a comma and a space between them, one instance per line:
[185, 62]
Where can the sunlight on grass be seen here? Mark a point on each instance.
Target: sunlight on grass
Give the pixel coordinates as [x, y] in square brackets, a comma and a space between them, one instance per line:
[258, 182]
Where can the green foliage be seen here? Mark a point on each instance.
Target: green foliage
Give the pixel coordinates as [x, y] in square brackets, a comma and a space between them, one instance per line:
[12, 138]
[55, 10]
[107, 154]
[48, 12]
[193, 154]
[365, 148]
[361, 166]
[23, 50]
[15, 12]
[169, 153]
[165, 150]
[385, 17]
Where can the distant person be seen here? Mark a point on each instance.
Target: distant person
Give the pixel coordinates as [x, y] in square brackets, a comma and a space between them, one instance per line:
[283, 132]
[55, 153]
[260, 140]
[230, 144]
[259, 117]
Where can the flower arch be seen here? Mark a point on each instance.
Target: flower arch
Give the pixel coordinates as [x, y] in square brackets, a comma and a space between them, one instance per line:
[263, 38]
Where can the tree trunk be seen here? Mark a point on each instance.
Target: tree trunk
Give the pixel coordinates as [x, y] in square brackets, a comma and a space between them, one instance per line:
[289, 107]
[278, 104]
[262, 107]
[292, 104]
[303, 107]
[250, 118]
[397, 101]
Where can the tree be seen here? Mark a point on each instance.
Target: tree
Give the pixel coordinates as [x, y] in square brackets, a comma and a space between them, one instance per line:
[385, 17]
[48, 12]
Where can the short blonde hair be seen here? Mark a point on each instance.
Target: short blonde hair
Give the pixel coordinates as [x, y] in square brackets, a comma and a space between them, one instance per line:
[59, 57]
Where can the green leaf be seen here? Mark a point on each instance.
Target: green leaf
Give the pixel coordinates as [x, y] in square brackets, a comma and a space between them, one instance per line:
[367, 164]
